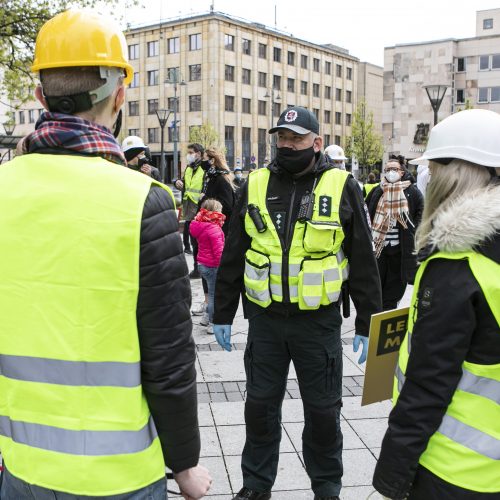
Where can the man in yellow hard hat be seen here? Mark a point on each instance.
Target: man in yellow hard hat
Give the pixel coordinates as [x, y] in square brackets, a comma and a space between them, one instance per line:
[97, 375]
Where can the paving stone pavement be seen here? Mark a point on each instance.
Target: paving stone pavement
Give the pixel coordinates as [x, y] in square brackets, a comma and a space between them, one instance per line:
[221, 395]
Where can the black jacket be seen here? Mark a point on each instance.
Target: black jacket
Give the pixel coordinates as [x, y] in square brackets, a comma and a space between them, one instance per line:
[456, 325]
[406, 236]
[283, 197]
[218, 188]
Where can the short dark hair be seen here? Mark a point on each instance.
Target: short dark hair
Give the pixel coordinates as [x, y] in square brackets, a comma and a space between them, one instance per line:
[197, 147]
[371, 176]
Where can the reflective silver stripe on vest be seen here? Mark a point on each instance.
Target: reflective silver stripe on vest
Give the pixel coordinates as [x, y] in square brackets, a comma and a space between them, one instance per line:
[340, 256]
[471, 438]
[191, 190]
[294, 291]
[311, 301]
[255, 273]
[481, 386]
[331, 274]
[263, 296]
[276, 268]
[333, 297]
[400, 377]
[276, 289]
[345, 273]
[312, 279]
[87, 443]
[81, 373]
[293, 270]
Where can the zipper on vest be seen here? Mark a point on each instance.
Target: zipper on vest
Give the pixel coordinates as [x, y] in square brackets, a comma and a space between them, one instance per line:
[284, 267]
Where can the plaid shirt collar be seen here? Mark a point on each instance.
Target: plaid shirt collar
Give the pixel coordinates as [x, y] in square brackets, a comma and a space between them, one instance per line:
[67, 132]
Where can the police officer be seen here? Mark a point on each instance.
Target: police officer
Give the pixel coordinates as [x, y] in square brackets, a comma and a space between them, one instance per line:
[443, 440]
[134, 150]
[298, 236]
[91, 381]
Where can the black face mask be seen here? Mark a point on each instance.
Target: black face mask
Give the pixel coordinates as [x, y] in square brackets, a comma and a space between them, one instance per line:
[294, 161]
[206, 164]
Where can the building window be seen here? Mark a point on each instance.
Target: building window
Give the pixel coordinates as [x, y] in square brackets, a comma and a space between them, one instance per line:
[173, 133]
[338, 94]
[195, 42]
[303, 87]
[487, 24]
[153, 77]
[133, 108]
[276, 109]
[349, 73]
[135, 81]
[484, 62]
[246, 143]
[460, 96]
[262, 79]
[315, 64]
[348, 96]
[262, 144]
[495, 61]
[173, 74]
[133, 52]
[153, 48]
[229, 103]
[174, 45]
[303, 61]
[246, 76]
[194, 72]
[229, 143]
[348, 119]
[246, 47]
[262, 50]
[133, 131]
[195, 103]
[40, 111]
[173, 104]
[31, 116]
[290, 86]
[229, 73]
[276, 54]
[229, 42]
[152, 106]
[338, 118]
[337, 140]
[495, 94]
[316, 89]
[482, 94]
[328, 92]
[328, 68]
[153, 135]
[328, 116]
[246, 105]
[339, 71]
[460, 64]
[291, 58]
[262, 107]
[326, 138]
[316, 113]
[276, 82]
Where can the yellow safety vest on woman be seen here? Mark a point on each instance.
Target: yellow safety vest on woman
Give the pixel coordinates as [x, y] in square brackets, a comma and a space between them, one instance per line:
[465, 450]
[193, 183]
[73, 416]
[314, 267]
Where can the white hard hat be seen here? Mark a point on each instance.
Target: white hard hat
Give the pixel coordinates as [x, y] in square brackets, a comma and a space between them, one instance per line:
[472, 135]
[132, 142]
[335, 153]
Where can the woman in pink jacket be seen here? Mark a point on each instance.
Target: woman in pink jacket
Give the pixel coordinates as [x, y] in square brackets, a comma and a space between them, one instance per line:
[207, 229]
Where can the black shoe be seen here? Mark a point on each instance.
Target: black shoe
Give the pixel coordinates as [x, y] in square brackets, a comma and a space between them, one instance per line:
[248, 494]
[188, 251]
[316, 497]
[194, 274]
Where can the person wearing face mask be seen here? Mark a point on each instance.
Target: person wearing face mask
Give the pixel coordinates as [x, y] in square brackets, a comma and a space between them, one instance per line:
[298, 235]
[134, 150]
[88, 249]
[238, 180]
[395, 208]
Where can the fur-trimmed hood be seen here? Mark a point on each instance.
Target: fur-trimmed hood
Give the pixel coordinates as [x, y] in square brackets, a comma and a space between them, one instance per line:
[469, 223]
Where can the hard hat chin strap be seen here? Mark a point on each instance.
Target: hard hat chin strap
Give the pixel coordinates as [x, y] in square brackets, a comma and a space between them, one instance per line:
[78, 103]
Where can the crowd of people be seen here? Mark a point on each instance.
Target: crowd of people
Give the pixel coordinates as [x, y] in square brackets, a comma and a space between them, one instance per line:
[97, 358]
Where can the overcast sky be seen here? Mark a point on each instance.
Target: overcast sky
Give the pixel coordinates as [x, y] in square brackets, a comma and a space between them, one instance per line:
[364, 27]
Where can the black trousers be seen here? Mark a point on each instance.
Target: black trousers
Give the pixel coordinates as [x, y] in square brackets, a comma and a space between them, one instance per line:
[187, 239]
[312, 341]
[393, 286]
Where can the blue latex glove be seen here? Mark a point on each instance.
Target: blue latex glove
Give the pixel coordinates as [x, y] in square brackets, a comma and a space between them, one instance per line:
[355, 346]
[223, 335]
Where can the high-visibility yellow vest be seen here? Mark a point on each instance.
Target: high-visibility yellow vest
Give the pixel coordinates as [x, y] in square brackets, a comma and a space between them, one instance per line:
[368, 188]
[313, 269]
[73, 416]
[465, 450]
[193, 183]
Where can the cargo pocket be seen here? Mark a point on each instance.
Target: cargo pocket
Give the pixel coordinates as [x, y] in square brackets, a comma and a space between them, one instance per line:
[320, 236]
[256, 278]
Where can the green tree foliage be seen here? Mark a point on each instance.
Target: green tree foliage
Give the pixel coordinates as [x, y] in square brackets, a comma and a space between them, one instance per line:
[467, 105]
[206, 135]
[20, 21]
[367, 144]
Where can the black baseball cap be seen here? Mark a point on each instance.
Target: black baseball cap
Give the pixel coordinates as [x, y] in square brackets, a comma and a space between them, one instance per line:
[297, 119]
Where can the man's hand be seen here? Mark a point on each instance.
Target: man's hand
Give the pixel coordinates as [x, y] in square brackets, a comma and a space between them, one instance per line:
[223, 335]
[146, 169]
[364, 351]
[193, 483]
[179, 184]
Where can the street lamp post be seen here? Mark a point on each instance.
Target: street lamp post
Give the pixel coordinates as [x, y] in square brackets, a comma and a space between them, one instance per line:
[9, 131]
[274, 97]
[436, 95]
[175, 79]
[162, 115]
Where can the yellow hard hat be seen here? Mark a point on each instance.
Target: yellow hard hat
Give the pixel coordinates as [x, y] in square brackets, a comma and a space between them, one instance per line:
[81, 38]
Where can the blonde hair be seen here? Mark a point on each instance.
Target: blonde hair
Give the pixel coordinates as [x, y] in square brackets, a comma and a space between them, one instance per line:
[448, 183]
[212, 205]
[220, 162]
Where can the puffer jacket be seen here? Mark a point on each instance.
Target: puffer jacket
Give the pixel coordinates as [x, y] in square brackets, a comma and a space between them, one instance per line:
[210, 239]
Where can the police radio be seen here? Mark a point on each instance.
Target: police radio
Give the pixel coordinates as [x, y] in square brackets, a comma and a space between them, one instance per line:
[259, 222]
[306, 207]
